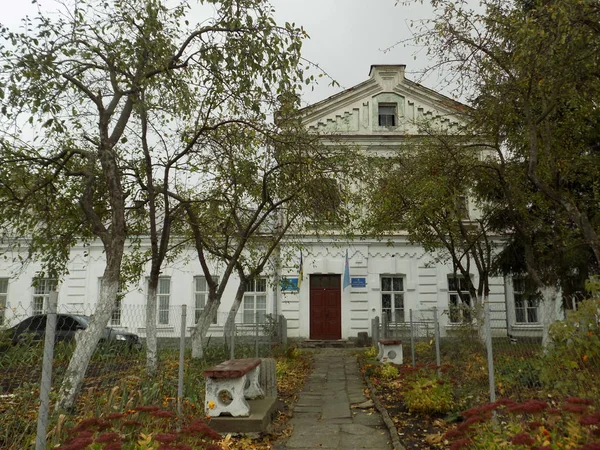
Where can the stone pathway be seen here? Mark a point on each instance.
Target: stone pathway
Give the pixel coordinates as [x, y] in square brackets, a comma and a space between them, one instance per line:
[322, 417]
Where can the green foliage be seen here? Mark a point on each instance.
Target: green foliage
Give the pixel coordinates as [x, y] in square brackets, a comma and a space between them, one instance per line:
[515, 374]
[592, 285]
[371, 352]
[428, 395]
[423, 189]
[387, 372]
[424, 350]
[281, 367]
[575, 352]
[529, 70]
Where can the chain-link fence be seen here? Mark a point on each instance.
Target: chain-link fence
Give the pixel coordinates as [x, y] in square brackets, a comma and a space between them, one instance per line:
[118, 377]
[542, 352]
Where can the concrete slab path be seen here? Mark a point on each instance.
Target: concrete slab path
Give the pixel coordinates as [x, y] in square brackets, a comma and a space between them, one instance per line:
[323, 417]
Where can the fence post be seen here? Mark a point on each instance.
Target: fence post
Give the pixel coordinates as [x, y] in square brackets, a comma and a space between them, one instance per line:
[488, 345]
[256, 337]
[42, 422]
[412, 339]
[181, 360]
[283, 330]
[375, 330]
[436, 325]
[232, 346]
[384, 326]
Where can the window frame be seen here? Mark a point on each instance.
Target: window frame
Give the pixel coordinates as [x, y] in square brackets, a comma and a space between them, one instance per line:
[117, 313]
[50, 285]
[393, 312]
[197, 310]
[460, 302]
[252, 294]
[162, 310]
[462, 207]
[527, 297]
[387, 117]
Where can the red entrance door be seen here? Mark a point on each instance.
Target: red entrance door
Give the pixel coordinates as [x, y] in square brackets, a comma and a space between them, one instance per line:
[325, 307]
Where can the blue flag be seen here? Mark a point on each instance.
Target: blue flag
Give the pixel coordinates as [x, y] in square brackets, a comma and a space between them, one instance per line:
[346, 282]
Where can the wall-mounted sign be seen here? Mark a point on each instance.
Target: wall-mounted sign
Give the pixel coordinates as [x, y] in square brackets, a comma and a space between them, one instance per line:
[289, 284]
[358, 282]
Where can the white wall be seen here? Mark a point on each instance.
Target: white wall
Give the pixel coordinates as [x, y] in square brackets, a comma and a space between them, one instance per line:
[425, 286]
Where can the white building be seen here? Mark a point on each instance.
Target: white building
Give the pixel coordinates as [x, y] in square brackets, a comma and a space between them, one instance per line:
[376, 115]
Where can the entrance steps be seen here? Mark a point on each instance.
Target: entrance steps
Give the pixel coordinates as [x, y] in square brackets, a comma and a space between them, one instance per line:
[318, 343]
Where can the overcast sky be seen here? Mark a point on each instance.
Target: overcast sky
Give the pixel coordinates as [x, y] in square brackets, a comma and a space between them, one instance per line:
[346, 36]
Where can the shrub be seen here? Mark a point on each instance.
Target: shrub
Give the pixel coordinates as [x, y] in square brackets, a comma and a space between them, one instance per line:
[429, 395]
[281, 367]
[514, 374]
[387, 372]
[531, 424]
[423, 349]
[575, 352]
[371, 352]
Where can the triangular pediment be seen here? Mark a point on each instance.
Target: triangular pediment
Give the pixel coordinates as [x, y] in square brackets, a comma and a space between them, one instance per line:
[355, 111]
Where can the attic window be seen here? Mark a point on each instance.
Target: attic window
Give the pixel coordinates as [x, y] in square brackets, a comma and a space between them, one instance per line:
[387, 114]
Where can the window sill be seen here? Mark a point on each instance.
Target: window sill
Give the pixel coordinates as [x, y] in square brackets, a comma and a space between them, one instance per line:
[461, 324]
[159, 329]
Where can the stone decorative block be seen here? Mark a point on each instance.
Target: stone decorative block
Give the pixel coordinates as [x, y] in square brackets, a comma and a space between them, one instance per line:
[390, 351]
[229, 384]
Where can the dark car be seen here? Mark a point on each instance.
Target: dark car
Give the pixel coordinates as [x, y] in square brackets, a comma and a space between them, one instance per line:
[34, 328]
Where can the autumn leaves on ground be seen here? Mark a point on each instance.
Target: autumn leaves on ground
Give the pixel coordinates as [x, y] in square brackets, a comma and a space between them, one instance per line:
[545, 399]
[120, 409]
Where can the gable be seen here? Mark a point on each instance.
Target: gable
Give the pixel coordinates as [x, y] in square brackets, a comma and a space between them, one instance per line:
[356, 111]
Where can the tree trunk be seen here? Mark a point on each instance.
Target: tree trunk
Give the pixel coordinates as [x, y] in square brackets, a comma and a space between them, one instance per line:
[548, 312]
[89, 338]
[151, 344]
[229, 323]
[206, 318]
[482, 330]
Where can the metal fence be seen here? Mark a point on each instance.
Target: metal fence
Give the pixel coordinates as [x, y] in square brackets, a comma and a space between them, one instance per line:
[486, 361]
[33, 362]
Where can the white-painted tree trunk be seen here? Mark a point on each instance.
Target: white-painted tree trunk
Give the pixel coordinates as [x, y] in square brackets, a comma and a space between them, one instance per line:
[206, 318]
[548, 312]
[479, 313]
[235, 307]
[87, 342]
[151, 344]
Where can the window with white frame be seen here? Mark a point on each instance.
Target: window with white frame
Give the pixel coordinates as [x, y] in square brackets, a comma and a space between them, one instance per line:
[163, 297]
[255, 301]
[115, 317]
[527, 301]
[3, 299]
[41, 291]
[387, 114]
[459, 299]
[392, 298]
[201, 296]
[462, 207]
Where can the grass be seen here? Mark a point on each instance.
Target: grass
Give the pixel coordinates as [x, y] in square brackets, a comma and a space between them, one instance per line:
[115, 384]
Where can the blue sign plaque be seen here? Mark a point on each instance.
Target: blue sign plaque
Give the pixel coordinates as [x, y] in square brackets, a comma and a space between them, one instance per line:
[358, 282]
[289, 284]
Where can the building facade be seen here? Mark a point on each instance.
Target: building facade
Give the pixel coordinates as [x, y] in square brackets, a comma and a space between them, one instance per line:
[334, 287]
